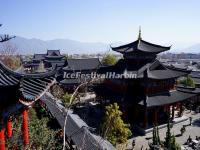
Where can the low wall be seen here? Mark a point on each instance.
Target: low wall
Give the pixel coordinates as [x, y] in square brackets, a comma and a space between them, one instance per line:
[76, 129]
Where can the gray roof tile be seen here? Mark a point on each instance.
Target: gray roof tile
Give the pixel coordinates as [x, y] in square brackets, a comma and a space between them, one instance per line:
[140, 45]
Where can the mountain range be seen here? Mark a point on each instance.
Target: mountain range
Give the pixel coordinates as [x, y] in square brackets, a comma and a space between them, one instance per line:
[67, 46]
[193, 49]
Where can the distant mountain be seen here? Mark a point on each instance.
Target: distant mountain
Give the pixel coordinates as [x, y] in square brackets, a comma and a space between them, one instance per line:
[31, 46]
[185, 48]
[193, 49]
[67, 46]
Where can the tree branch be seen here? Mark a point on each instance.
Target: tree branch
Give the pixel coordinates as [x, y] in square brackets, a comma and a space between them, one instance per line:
[6, 37]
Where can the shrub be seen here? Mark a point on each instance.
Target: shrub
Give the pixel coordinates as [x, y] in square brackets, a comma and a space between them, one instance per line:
[109, 60]
[187, 82]
[114, 129]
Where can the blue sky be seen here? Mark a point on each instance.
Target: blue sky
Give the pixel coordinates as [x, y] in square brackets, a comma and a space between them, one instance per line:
[162, 21]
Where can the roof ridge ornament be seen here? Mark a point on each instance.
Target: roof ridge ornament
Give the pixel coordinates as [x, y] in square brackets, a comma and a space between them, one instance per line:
[139, 36]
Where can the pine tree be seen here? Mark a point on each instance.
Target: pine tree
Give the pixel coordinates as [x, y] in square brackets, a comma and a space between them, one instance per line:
[154, 135]
[174, 144]
[167, 142]
[158, 136]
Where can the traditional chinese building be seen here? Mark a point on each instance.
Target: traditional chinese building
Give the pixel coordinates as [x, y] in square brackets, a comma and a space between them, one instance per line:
[54, 58]
[150, 96]
[76, 67]
[18, 92]
[50, 60]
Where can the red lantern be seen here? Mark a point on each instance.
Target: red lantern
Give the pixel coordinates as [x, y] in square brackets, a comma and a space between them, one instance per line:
[9, 128]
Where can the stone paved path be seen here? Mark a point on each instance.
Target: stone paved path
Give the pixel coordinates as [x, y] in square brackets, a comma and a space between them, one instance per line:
[193, 131]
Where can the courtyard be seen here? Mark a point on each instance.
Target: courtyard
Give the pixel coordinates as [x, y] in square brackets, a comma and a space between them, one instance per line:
[141, 142]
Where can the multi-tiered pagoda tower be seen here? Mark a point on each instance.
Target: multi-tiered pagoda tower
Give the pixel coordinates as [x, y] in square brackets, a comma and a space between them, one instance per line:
[151, 96]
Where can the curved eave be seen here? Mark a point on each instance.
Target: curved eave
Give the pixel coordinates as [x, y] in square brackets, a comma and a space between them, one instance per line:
[167, 98]
[54, 57]
[166, 74]
[178, 69]
[155, 45]
[151, 52]
[5, 114]
[22, 75]
[32, 86]
[32, 90]
[70, 81]
[141, 46]
[162, 74]
[192, 90]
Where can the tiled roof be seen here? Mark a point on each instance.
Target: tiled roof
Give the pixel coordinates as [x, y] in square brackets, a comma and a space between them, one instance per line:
[70, 81]
[187, 89]
[167, 98]
[154, 70]
[82, 64]
[32, 86]
[196, 80]
[39, 56]
[140, 45]
[53, 53]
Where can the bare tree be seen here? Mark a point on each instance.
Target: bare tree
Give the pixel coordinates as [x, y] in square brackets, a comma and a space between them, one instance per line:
[8, 52]
[5, 37]
[57, 91]
[9, 56]
[8, 49]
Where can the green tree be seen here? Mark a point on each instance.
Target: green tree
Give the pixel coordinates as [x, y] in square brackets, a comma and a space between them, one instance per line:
[167, 142]
[41, 136]
[16, 141]
[187, 82]
[109, 60]
[114, 129]
[174, 144]
[66, 99]
[170, 140]
[156, 136]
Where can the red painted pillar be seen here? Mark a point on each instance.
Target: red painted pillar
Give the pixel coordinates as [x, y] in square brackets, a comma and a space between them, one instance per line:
[25, 127]
[9, 128]
[2, 139]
